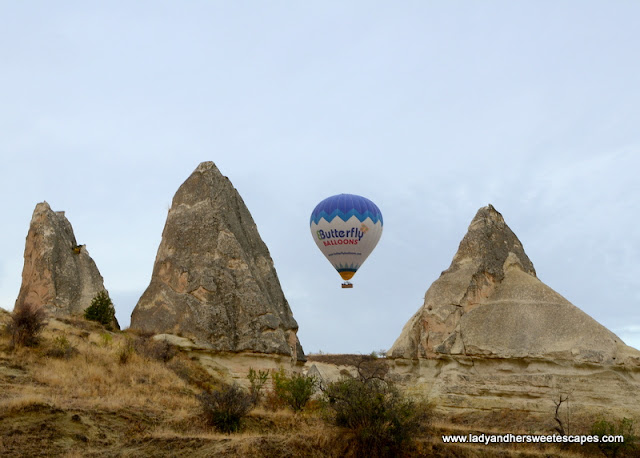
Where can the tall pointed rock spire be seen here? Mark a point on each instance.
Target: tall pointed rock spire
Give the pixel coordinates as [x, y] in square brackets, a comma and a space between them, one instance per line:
[490, 303]
[58, 274]
[213, 278]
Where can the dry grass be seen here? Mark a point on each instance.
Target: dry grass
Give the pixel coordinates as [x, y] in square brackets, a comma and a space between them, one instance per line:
[266, 434]
[94, 378]
[87, 396]
[23, 403]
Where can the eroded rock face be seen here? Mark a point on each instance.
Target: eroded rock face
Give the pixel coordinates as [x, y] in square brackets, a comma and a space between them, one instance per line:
[213, 279]
[58, 274]
[490, 303]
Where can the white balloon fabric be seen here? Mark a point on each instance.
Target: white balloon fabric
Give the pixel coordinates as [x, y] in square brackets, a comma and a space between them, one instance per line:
[346, 228]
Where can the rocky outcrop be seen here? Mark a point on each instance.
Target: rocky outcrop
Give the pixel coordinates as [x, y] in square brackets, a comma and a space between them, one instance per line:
[58, 273]
[483, 386]
[492, 337]
[490, 303]
[213, 279]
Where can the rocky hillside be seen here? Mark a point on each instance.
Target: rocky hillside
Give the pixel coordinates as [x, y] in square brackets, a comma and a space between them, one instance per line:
[85, 391]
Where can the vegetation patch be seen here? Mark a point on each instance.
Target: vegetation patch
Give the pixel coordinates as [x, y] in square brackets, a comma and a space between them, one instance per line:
[622, 428]
[25, 325]
[295, 390]
[62, 348]
[224, 408]
[382, 420]
[101, 310]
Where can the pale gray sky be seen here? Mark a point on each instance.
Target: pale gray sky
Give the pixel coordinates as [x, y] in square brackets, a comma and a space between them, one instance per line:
[430, 109]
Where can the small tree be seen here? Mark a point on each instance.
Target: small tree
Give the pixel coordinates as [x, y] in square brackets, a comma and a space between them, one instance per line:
[562, 428]
[27, 321]
[225, 408]
[256, 383]
[101, 310]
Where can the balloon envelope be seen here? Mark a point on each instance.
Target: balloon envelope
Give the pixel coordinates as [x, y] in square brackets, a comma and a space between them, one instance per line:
[346, 228]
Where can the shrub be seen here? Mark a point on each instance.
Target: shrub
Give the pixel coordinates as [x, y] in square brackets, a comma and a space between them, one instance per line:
[256, 383]
[225, 408]
[192, 372]
[101, 310]
[294, 391]
[125, 352]
[106, 339]
[273, 402]
[382, 420]
[623, 428]
[160, 350]
[62, 348]
[27, 321]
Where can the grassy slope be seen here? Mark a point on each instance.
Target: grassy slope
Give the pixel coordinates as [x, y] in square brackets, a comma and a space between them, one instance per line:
[92, 404]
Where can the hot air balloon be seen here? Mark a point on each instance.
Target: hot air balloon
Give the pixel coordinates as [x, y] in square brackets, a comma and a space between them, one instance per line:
[346, 228]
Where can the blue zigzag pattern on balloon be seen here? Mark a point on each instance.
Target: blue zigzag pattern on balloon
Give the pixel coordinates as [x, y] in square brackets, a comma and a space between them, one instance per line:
[346, 267]
[346, 206]
[375, 217]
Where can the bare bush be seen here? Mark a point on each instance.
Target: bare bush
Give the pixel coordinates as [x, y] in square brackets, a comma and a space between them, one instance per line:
[225, 408]
[27, 321]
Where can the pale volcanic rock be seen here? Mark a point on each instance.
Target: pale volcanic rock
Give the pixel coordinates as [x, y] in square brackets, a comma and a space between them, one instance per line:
[213, 279]
[491, 338]
[56, 276]
[490, 303]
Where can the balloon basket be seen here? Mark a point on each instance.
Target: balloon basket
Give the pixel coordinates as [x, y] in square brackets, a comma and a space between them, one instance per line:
[346, 284]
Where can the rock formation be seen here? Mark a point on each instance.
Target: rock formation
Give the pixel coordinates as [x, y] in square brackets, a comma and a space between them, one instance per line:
[58, 273]
[492, 338]
[490, 303]
[213, 279]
